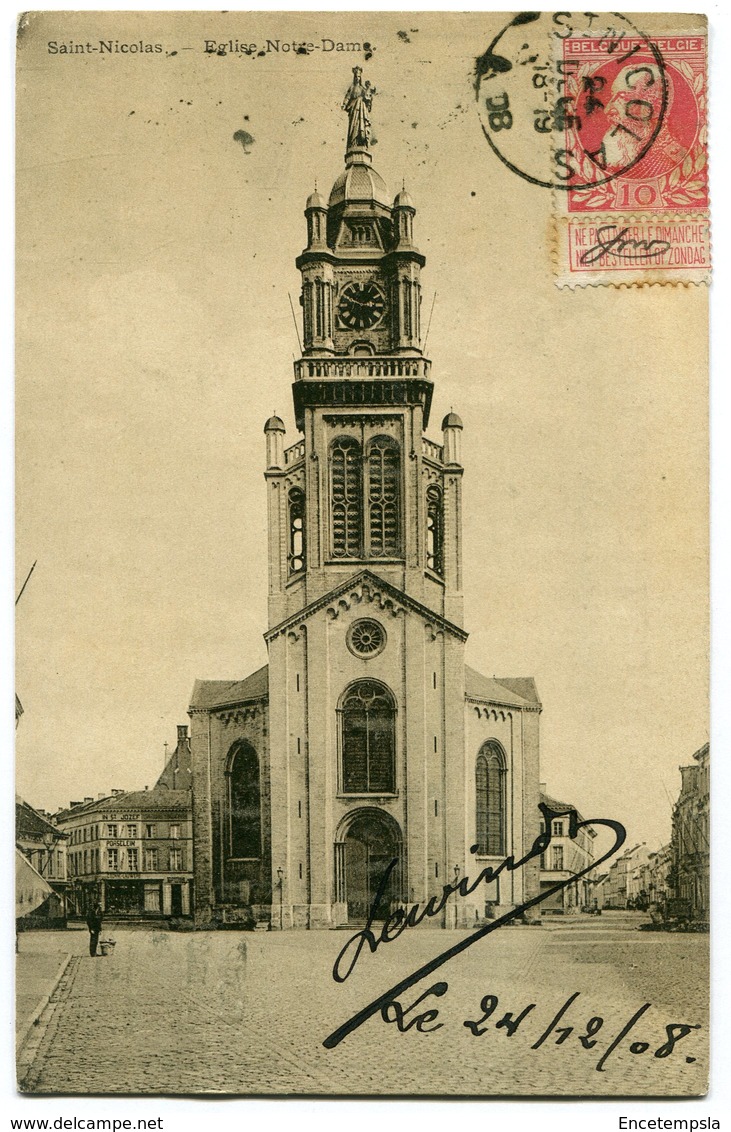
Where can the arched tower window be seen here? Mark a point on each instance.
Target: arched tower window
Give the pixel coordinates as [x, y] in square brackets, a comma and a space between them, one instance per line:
[434, 530]
[368, 739]
[296, 548]
[490, 774]
[346, 497]
[384, 475]
[244, 803]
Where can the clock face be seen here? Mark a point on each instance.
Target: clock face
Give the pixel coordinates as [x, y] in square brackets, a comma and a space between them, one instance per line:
[361, 305]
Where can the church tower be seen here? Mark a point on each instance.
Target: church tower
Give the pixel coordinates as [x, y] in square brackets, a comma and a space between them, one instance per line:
[366, 741]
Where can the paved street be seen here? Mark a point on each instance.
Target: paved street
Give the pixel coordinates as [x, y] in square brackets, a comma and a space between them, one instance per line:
[247, 1012]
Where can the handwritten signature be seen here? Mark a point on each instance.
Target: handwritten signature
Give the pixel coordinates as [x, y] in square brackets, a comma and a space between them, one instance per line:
[612, 239]
[401, 920]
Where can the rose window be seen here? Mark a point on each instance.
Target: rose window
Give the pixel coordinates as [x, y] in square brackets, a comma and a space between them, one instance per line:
[366, 638]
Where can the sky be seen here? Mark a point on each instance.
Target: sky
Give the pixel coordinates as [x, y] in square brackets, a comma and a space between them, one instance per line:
[154, 337]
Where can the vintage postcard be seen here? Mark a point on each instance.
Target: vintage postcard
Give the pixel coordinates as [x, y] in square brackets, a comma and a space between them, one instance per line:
[362, 536]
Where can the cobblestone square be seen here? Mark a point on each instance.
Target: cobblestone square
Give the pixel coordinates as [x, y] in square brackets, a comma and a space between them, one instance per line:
[247, 1013]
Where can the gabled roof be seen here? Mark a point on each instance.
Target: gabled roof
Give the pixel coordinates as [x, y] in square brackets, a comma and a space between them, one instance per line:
[161, 799]
[29, 823]
[559, 807]
[219, 693]
[368, 579]
[514, 690]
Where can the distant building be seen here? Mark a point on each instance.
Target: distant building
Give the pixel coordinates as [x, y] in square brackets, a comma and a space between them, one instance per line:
[690, 839]
[133, 851]
[44, 845]
[660, 866]
[620, 887]
[564, 858]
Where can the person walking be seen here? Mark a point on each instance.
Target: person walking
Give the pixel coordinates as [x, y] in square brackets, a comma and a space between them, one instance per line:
[94, 921]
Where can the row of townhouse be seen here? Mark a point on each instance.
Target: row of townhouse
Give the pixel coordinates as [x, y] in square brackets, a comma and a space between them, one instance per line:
[130, 851]
[672, 882]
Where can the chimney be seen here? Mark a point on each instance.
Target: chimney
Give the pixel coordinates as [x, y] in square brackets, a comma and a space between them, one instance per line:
[72, 805]
[115, 792]
[100, 796]
[87, 800]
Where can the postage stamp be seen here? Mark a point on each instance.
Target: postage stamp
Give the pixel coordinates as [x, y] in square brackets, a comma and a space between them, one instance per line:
[639, 116]
[610, 114]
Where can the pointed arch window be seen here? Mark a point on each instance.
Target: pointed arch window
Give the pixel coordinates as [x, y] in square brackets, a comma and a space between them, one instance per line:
[384, 480]
[346, 497]
[368, 739]
[296, 548]
[244, 803]
[434, 530]
[490, 775]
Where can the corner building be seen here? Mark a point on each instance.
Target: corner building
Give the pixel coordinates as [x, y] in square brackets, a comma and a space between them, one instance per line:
[366, 739]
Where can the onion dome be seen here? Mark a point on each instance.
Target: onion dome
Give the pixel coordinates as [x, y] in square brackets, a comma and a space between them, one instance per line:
[314, 200]
[452, 421]
[360, 183]
[274, 424]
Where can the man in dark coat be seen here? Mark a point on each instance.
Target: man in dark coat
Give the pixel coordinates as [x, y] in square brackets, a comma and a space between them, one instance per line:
[94, 924]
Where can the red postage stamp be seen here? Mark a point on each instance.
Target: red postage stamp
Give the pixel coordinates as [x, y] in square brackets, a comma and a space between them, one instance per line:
[637, 127]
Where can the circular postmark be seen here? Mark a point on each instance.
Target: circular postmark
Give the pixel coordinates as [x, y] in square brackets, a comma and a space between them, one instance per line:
[571, 102]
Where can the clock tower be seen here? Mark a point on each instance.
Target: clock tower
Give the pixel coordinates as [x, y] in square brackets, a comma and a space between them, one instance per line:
[365, 748]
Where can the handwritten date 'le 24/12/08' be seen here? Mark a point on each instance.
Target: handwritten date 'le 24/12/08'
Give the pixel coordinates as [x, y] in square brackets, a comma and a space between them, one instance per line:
[582, 1033]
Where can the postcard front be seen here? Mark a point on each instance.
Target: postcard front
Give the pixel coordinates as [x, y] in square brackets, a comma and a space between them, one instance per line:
[362, 535]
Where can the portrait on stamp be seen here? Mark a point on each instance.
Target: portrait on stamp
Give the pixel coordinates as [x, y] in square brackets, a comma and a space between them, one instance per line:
[362, 720]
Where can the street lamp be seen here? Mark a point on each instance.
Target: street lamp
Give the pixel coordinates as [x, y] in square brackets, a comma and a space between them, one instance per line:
[280, 880]
[49, 840]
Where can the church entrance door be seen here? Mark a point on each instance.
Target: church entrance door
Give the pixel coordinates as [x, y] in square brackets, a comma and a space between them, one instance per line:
[371, 843]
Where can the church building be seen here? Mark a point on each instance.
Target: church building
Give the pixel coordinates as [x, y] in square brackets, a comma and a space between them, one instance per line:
[366, 740]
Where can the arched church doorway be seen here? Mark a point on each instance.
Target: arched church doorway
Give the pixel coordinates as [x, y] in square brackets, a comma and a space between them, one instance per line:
[372, 841]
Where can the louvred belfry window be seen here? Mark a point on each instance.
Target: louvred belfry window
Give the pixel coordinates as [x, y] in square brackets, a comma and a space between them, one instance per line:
[296, 552]
[384, 473]
[368, 737]
[490, 774]
[434, 530]
[346, 497]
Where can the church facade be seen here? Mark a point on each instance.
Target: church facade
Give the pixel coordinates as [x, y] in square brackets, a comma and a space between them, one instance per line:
[366, 766]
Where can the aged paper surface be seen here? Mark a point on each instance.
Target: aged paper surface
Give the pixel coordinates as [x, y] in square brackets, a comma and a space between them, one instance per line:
[423, 830]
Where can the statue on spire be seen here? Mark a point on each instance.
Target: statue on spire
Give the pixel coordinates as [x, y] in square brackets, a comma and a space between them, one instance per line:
[357, 103]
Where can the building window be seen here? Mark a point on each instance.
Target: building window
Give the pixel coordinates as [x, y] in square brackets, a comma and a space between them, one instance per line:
[175, 832]
[384, 475]
[86, 860]
[113, 860]
[346, 497]
[150, 830]
[490, 772]
[434, 530]
[368, 739]
[150, 860]
[366, 638]
[557, 829]
[132, 830]
[112, 830]
[133, 860]
[296, 551]
[244, 803]
[59, 864]
[557, 857]
[176, 860]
